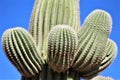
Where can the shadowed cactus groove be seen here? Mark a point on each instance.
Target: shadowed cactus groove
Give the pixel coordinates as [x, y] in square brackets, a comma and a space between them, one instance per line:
[56, 48]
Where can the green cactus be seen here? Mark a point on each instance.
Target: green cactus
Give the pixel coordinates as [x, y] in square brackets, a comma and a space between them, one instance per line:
[62, 44]
[22, 52]
[55, 48]
[109, 55]
[48, 13]
[102, 78]
[92, 39]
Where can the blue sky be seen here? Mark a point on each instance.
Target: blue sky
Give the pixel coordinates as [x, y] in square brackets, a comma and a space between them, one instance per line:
[17, 13]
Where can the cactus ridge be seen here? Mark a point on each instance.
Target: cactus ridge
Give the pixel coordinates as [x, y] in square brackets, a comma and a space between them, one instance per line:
[77, 15]
[21, 50]
[91, 43]
[9, 49]
[62, 44]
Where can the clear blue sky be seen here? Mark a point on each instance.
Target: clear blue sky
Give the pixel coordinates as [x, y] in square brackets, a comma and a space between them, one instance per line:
[17, 13]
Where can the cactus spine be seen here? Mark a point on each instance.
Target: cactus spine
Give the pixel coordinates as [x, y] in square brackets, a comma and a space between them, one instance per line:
[56, 48]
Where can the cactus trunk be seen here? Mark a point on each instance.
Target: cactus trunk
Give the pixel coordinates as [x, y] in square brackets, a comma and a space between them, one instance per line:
[48, 13]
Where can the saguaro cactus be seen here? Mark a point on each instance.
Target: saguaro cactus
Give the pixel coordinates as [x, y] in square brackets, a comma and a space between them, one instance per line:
[55, 48]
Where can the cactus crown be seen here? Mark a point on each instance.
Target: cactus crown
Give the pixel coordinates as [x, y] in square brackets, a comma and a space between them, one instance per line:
[56, 48]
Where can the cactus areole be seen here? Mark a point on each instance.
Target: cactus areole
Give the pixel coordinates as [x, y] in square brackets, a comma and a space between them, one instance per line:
[56, 48]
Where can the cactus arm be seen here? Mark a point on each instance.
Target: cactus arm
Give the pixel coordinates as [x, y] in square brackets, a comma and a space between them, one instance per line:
[6, 42]
[21, 51]
[98, 24]
[110, 53]
[62, 43]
